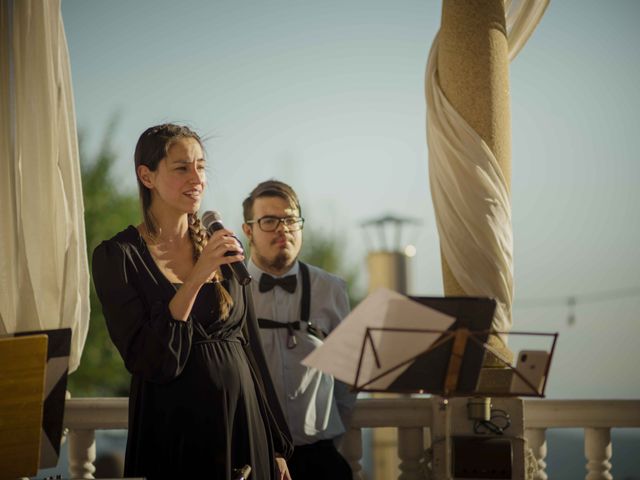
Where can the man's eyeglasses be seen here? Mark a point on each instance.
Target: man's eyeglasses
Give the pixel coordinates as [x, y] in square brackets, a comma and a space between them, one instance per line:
[270, 224]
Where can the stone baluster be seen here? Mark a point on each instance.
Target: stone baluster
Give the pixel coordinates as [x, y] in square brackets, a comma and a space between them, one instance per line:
[82, 453]
[538, 443]
[597, 450]
[410, 451]
[352, 450]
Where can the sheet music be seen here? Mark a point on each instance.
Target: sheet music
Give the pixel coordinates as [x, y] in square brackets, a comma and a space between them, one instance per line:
[342, 349]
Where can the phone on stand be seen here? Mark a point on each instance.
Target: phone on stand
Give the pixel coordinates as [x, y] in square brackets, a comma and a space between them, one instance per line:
[532, 365]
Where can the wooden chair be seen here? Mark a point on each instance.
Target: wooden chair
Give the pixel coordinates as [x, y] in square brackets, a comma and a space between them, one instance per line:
[22, 374]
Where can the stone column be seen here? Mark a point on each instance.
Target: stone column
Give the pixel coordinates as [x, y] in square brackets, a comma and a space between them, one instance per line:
[387, 269]
[82, 453]
[597, 450]
[537, 438]
[473, 67]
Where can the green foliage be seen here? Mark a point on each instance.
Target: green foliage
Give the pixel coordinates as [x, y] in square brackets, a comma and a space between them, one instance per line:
[107, 211]
[324, 251]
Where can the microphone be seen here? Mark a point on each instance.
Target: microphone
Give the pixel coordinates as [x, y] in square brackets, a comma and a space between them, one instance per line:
[242, 473]
[212, 222]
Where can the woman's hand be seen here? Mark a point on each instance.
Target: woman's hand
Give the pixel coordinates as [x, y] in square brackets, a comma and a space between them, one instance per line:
[283, 469]
[213, 255]
[211, 258]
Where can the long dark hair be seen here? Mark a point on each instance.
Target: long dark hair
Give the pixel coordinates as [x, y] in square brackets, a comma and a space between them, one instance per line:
[153, 145]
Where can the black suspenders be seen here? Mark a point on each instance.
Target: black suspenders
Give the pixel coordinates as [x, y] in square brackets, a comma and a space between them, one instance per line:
[305, 309]
[305, 304]
[305, 301]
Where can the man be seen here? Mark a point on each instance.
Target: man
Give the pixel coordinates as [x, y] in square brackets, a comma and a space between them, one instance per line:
[297, 305]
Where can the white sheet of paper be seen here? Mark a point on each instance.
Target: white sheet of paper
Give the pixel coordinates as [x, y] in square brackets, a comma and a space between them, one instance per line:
[342, 349]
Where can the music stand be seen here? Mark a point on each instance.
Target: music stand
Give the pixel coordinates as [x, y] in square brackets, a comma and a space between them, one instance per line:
[435, 370]
[451, 365]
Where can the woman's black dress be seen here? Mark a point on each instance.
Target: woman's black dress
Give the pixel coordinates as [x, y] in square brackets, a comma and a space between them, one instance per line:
[201, 400]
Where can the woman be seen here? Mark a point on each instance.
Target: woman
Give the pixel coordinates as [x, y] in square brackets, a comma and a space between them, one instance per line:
[201, 400]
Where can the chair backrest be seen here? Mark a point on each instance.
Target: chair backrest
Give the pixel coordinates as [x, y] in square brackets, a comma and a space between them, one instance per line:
[55, 388]
[22, 371]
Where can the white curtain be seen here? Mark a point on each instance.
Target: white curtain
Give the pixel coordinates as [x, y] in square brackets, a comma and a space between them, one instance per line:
[470, 194]
[44, 275]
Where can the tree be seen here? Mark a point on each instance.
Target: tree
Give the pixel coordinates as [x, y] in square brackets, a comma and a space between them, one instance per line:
[108, 210]
[324, 251]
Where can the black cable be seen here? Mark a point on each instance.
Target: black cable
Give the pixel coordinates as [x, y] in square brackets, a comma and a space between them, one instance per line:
[498, 422]
[573, 300]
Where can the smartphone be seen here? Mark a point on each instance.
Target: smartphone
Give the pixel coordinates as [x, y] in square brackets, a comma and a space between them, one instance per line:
[532, 365]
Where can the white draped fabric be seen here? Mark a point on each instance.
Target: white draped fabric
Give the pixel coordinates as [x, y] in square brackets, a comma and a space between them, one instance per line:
[469, 191]
[44, 275]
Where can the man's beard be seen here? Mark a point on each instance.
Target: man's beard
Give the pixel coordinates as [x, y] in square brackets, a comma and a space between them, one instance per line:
[282, 260]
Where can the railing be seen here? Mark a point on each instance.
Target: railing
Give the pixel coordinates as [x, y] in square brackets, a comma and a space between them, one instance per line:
[411, 416]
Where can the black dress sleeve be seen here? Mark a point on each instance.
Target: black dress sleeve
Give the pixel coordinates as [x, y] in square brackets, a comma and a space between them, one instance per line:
[152, 344]
[283, 442]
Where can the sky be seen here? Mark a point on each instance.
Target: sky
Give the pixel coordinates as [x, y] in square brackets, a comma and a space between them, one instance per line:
[329, 97]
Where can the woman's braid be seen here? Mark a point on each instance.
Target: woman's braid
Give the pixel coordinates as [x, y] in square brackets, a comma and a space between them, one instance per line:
[199, 237]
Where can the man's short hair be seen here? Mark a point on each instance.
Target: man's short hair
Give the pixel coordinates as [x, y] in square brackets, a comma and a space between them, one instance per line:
[270, 188]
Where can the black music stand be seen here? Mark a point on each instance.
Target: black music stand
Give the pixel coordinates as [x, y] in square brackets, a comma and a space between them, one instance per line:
[451, 365]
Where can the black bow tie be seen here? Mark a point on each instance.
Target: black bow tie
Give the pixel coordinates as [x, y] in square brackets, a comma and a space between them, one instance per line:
[267, 282]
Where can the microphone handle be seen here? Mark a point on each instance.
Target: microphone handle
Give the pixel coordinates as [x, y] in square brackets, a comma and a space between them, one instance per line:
[241, 273]
[238, 269]
[242, 473]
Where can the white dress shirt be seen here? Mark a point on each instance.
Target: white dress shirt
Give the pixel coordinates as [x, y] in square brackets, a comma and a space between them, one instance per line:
[315, 405]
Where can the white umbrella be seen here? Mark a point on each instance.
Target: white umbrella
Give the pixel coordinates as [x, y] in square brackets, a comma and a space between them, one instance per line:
[44, 275]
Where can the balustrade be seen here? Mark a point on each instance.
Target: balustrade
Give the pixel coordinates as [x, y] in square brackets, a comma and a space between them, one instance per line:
[597, 450]
[411, 416]
[538, 444]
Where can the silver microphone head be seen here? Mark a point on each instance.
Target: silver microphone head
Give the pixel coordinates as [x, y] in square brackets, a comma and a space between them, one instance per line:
[209, 217]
